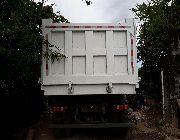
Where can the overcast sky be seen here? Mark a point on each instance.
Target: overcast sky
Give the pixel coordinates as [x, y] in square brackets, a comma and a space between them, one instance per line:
[99, 11]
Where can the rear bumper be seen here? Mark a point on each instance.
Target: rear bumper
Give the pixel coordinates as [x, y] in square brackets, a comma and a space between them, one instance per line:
[96, 125]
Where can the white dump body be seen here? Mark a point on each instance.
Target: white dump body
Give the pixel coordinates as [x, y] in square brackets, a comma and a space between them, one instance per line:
[100, 58]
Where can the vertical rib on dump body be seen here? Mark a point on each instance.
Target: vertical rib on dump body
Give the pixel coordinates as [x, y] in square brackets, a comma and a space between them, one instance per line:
[100, 58]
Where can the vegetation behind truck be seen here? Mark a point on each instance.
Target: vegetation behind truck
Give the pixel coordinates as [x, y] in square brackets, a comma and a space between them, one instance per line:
[87, 88]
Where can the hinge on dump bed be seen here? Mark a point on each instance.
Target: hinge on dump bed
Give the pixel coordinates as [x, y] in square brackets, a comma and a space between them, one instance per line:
[109, 88]
[70, 88]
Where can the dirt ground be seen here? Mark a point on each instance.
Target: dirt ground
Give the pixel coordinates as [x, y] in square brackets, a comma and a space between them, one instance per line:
[147, 127]
[150, 126]
[140, 132]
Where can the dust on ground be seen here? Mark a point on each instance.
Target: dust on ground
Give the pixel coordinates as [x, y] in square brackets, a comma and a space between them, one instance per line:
[148, 126]
[139, 132]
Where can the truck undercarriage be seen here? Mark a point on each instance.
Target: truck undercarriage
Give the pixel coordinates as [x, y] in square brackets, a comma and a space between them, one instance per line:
[87, 111]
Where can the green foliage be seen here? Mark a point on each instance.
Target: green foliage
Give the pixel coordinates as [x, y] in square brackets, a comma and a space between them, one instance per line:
[52, 54]
[157, 38]
[20, 59]
[21, 41]
[155, 34]
[21, 53]
[88, 2]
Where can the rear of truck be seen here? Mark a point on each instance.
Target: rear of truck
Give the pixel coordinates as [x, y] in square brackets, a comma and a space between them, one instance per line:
[88, 87]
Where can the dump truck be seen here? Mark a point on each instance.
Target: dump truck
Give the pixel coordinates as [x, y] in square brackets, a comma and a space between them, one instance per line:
[88, 87]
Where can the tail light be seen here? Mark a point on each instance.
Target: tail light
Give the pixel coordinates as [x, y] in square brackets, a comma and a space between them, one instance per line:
[120, 107]
[56, 109]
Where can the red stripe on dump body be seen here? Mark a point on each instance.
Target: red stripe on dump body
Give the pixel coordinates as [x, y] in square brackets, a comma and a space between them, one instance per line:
[131, 41]
[87, 26]
[76, 26]
[47, 70]
[132, 63]
[131, 52]
[63, 26]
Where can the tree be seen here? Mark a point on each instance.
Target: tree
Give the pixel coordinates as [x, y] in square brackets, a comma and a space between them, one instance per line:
[20, 60]
[21, 99]
[157, 39]
[158, 34]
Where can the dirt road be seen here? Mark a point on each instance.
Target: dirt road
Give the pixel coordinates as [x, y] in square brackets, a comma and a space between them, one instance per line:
[88, 134]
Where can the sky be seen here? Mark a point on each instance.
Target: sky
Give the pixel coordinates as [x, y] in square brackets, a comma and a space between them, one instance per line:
[100, 11]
